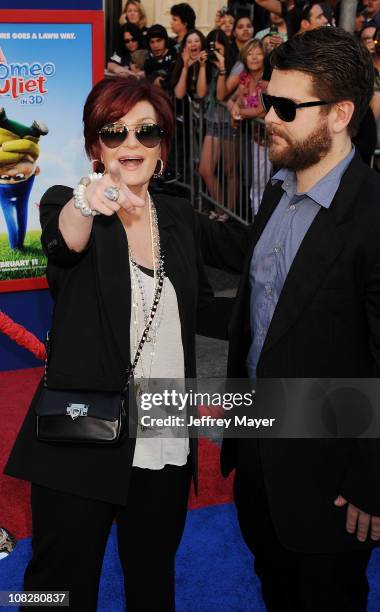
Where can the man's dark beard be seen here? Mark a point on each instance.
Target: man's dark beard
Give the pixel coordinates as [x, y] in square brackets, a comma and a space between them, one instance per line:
[299, 155]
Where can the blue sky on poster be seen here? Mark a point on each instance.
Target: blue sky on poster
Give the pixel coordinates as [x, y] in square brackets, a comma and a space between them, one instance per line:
[62, 160]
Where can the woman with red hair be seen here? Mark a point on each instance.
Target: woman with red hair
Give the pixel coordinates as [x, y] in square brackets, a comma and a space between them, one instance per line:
[118, 259]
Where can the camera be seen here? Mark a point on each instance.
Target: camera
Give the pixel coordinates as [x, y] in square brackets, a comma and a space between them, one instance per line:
[273, 30]
[211, 57]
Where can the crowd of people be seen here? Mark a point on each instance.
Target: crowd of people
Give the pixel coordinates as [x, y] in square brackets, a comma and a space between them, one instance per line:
[226, 71]
[126, 273]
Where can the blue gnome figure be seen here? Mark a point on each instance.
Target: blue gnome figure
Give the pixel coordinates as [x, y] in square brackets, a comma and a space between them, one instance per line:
[19, 151]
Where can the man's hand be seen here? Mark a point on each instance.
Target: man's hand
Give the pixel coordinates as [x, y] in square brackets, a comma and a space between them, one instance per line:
[359, 521]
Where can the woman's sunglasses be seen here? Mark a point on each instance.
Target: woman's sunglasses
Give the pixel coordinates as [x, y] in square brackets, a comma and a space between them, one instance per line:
[113, 135]
[285, 108]
[129, 40]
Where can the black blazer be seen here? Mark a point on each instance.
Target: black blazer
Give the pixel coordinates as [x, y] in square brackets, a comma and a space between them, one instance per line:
[90, 345]
[326, 324]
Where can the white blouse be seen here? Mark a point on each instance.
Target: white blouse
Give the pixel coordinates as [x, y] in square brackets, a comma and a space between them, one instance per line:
[162, 357]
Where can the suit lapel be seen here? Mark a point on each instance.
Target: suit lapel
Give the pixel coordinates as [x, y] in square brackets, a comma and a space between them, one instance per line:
[176, 262]
[271, 197]
[114, 285]
[315, 256]
[321, 246]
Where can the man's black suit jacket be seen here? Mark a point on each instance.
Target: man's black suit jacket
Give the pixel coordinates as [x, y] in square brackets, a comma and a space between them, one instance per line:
[326, 324]
[90, 344]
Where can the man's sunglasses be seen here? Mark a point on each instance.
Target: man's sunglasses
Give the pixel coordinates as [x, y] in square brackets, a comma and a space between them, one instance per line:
[113, 135]
[285, 108]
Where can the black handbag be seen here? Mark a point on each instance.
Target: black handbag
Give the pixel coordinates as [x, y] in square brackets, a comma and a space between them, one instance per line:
[90, 418]
[81, 417]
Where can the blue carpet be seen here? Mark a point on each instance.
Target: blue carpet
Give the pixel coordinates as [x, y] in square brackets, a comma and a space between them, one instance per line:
[213, 572]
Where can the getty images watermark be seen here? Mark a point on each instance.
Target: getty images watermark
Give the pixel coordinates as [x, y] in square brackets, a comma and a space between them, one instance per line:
[173, 399]
[268, 408]
[193, 407]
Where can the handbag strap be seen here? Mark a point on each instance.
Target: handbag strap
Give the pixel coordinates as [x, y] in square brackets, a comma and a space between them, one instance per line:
[47, 355]
[132, 366]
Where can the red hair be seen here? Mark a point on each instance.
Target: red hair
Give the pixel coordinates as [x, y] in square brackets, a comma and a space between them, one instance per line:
[114, 97]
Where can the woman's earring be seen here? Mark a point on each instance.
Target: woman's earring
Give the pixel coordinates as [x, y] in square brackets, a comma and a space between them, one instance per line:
[158, 173]
[98, 166]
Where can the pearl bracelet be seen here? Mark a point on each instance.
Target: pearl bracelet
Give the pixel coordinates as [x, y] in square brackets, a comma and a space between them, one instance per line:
[80, 201]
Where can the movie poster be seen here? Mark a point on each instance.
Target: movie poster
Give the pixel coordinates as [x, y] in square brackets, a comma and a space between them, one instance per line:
[45, 76]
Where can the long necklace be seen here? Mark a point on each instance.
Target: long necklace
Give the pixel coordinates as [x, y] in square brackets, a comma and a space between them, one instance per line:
[139, 296]
[155, 242]
[158, 263]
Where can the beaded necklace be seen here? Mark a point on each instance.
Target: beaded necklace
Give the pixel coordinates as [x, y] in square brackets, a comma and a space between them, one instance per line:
[139, 296]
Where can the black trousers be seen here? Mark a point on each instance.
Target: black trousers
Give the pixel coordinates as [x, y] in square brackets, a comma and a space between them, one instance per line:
[70, 534]
[291, 581]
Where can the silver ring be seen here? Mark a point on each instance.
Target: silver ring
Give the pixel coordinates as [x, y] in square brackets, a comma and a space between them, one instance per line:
[112, 193]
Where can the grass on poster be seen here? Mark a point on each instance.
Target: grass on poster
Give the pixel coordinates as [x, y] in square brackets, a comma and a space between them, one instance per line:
[34, 261]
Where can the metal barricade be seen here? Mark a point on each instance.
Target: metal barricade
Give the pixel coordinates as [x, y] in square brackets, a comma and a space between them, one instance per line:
[223, 164]
[183, 156]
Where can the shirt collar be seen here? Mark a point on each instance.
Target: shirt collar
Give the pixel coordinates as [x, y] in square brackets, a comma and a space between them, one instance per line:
[322, 192]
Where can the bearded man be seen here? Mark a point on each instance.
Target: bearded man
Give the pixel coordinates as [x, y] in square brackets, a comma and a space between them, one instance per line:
[308, 306]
